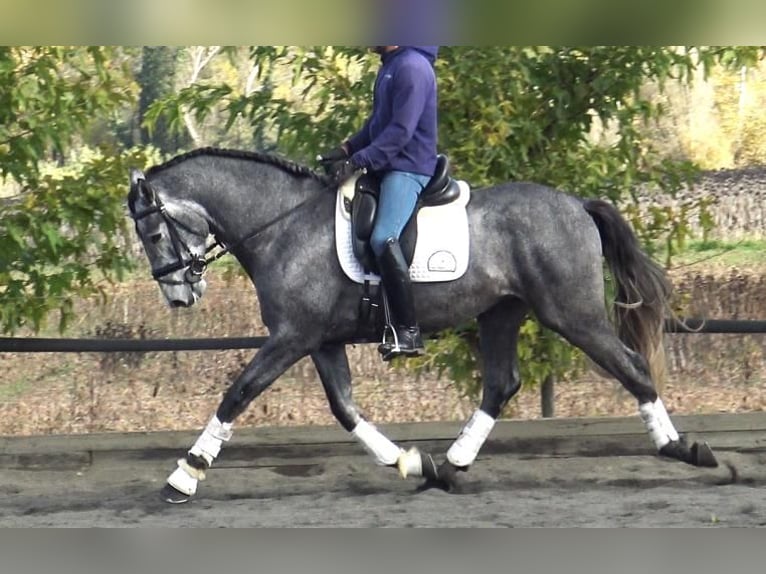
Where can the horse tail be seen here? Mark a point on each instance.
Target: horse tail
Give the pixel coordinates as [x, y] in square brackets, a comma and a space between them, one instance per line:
[642, 289]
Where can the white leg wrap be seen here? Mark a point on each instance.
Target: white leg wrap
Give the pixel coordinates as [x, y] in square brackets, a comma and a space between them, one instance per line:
[208, 444]
[383, 450]
[464, 450]
[658, 423]
[183, 482]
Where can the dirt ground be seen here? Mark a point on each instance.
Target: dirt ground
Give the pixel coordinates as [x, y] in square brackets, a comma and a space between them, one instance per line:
[349, 491]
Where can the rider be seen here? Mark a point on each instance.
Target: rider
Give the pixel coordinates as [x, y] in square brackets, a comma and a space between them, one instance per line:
[398, 141]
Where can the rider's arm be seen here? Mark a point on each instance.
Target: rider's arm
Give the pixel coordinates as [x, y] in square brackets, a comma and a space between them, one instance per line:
[410, 94]
[359, 140]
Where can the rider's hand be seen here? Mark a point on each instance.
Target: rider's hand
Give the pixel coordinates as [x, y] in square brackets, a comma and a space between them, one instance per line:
[341, 171]
[329, 159]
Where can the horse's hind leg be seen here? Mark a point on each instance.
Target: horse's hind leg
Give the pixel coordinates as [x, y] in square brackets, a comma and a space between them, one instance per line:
[592, 332]
[332, 364]
[498, 338]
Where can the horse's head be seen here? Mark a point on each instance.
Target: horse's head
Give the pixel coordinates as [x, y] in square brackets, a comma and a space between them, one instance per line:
[174, 235]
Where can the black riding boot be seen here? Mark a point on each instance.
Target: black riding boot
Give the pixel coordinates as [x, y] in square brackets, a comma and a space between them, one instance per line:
[396, 280]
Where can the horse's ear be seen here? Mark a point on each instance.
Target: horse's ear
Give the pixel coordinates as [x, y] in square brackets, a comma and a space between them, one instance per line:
[146, 190]
[136, 177]
[138, 184]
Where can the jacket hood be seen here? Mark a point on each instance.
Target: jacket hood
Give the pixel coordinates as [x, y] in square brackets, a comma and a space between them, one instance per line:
[429, 52]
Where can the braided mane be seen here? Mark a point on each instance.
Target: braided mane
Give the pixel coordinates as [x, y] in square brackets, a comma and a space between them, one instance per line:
[261, 157]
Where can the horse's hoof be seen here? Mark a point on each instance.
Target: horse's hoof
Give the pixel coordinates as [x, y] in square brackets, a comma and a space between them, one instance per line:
[410, 463]
[699, 454]
[677, 450]
[702, 455]
[445, 479]
[431, 484]
[172, 495]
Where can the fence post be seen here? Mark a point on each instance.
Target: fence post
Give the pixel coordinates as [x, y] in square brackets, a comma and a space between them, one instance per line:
[546, 396]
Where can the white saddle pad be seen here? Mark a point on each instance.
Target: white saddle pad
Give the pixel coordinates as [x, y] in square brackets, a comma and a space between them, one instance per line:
[441, 252]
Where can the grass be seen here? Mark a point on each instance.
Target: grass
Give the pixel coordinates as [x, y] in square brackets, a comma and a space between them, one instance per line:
[13, 389]
[29, 380]
[716, 254]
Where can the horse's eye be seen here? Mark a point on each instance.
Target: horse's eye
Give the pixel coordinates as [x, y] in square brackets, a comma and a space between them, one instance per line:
[155, 237]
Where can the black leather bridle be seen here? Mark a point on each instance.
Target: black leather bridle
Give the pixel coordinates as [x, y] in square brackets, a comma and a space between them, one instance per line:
[195, 264]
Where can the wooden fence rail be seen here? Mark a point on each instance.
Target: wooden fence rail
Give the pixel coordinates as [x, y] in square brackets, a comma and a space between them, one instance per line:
[63, 345]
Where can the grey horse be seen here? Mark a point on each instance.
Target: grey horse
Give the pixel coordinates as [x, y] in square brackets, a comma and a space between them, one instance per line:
[533, 249]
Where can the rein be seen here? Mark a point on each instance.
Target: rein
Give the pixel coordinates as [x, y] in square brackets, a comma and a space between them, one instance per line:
[197, 264]
[227, 248]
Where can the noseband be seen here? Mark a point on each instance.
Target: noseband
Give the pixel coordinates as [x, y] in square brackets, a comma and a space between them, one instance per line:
[195, 264]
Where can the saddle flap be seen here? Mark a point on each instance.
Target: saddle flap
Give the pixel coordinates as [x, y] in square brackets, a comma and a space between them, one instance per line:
[364, 209]
[364, 206]
[346, 192]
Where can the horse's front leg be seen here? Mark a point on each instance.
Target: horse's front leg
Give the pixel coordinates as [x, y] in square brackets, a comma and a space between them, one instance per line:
[273, 359]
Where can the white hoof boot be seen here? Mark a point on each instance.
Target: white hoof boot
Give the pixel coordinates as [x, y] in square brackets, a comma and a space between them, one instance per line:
[183, 482]
[410, 463]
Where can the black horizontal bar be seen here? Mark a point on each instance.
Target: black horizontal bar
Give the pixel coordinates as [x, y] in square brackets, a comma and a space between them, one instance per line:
[713, 326]
[35, 345]
[59, 345]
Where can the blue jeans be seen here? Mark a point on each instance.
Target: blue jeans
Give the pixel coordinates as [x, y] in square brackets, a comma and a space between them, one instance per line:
[399, 191]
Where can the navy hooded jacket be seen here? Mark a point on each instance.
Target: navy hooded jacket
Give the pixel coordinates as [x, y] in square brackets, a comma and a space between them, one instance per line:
[401, 132]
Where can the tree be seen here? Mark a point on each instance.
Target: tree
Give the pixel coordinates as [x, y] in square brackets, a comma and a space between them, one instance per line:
[59, 231]
[200, 57]
[157, 81]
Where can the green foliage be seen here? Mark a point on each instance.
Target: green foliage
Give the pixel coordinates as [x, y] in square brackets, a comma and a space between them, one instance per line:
[574, 117]
[306, 98]
[455, 353]
[47, 95]
[58, 241]
[59, 231]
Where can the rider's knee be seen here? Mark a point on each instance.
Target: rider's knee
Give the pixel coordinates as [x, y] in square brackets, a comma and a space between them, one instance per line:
[378, 242]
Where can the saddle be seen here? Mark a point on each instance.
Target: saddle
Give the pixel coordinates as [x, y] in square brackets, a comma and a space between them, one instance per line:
[440, 190]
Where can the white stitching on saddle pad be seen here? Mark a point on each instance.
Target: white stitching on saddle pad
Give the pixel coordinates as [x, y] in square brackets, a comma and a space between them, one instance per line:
[441, 253]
